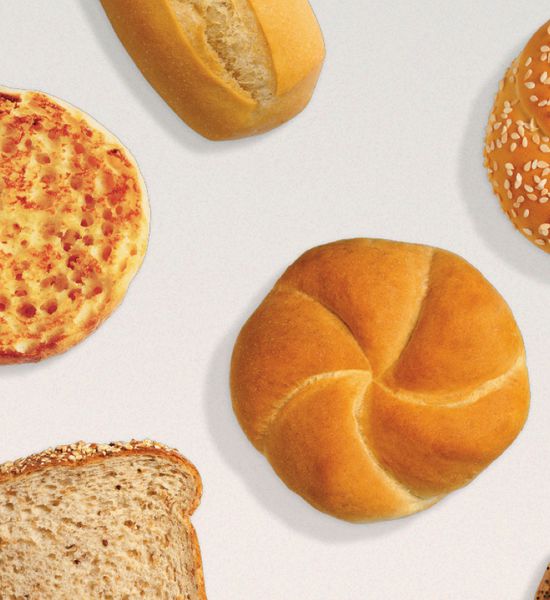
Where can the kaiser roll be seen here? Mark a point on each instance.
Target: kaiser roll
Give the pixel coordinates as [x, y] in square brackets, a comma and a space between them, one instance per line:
[378, 376]
[517, 148]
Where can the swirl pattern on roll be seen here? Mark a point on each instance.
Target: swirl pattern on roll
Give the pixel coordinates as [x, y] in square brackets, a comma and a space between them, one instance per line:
[378, 376]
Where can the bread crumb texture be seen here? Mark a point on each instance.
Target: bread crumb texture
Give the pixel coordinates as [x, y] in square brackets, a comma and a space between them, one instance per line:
[377, 377]
[517, 145]
[99, 521]
[226, 33]
[74, 225]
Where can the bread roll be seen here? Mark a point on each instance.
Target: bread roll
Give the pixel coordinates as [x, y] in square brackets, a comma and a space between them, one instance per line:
[377, 377]
[75, 222]
[89, 521]
[517, 148]
[543, 591]
[228, 68]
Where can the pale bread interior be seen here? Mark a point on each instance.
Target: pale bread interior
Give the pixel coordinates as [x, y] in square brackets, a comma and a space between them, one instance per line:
[115, 529]
[226, 35]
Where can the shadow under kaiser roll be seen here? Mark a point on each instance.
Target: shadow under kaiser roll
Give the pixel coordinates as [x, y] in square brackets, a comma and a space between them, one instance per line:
[488, 218]
[141, 89]
[254, 469]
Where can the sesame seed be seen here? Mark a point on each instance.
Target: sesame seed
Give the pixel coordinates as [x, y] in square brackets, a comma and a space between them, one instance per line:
[525, 213]
[534, 98]
[528, 61]
[544, 148]
[530, 85]
[527, 231]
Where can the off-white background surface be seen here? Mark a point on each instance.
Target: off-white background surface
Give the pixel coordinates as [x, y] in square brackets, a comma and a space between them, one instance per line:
[390, 147]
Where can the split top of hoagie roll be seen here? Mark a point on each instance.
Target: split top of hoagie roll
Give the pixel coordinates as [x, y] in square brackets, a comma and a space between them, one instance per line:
[228, 68]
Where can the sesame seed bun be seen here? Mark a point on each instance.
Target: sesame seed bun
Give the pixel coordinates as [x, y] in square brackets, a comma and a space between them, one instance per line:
[517, 146]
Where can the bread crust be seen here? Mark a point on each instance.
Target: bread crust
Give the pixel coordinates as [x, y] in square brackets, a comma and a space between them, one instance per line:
[517, 145]
[543, 591]
[81, 454]
[137, 232]
[377, 377]
[189, 82]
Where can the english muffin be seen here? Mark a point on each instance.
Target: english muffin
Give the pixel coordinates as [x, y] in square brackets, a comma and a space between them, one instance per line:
[75, 222]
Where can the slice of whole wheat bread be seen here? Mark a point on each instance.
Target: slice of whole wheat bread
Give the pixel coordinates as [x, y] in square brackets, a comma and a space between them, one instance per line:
[90, 521]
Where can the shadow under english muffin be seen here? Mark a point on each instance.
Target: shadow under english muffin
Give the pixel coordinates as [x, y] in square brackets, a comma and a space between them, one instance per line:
[128, 72]
[488, 219]
[254, 469]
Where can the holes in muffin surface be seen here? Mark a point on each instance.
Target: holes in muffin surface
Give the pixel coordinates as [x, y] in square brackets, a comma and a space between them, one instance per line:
[50, 306]
[27, 310]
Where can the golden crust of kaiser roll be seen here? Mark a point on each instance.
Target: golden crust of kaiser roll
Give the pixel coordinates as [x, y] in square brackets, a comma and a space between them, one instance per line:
[228, 68]
[517, 145]
[378, 376]
[75, 222]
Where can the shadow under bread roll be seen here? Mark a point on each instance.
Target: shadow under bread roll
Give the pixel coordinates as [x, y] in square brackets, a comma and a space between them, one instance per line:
[228, 68]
